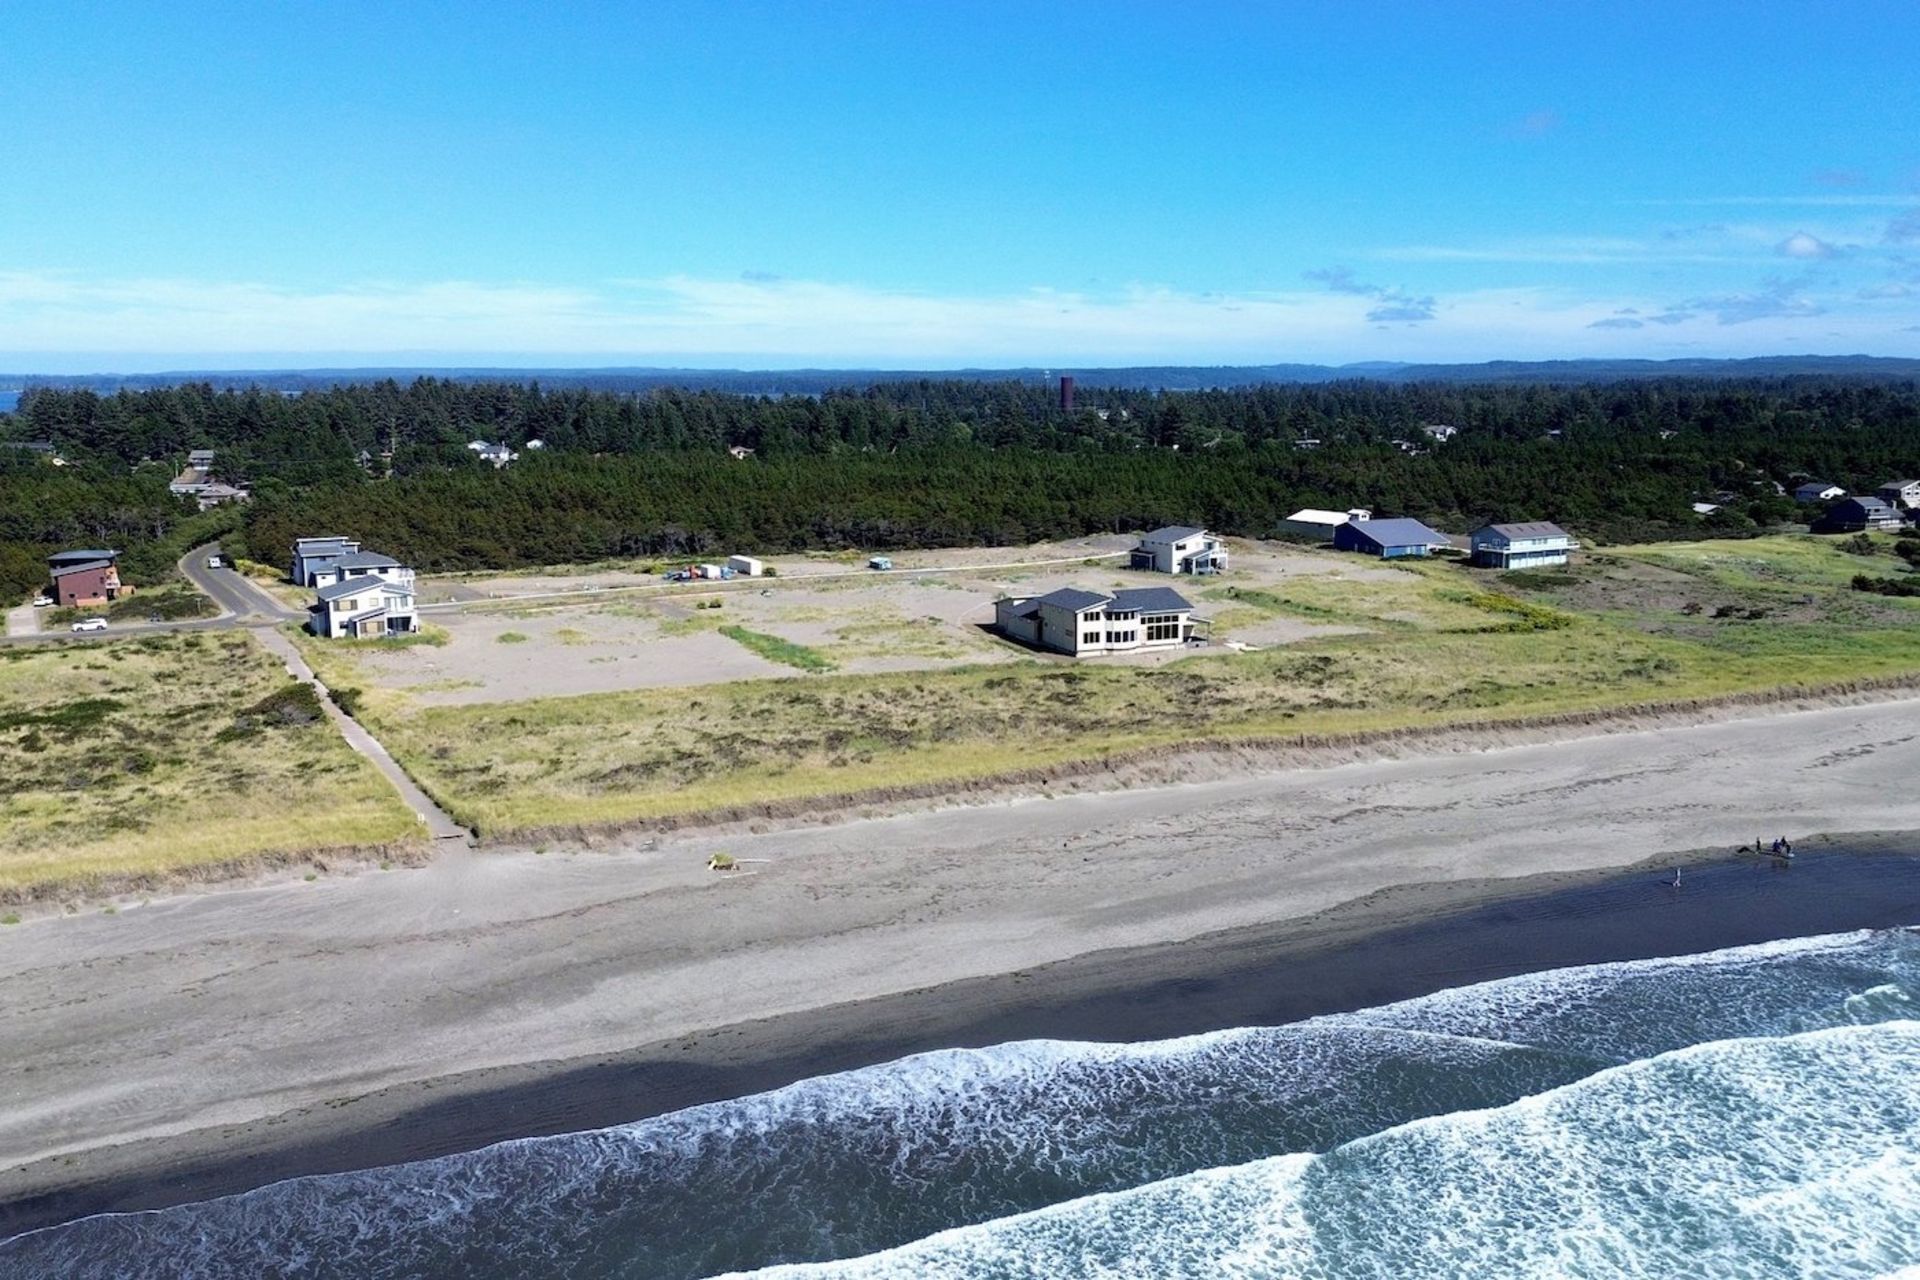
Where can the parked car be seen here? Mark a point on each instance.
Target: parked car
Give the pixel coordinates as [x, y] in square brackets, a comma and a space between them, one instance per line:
[90, 624]
[42, 602]
[213, 562]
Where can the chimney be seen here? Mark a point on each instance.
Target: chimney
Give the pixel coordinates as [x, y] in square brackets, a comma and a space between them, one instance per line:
[1066, 394]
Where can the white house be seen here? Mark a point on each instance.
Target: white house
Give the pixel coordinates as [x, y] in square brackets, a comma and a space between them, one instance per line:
[363, 607]
[498, 454]
[312, 554]
[1529, 544]
[1087, 623]
[1440, 432]
[1312, 522]
[1818, 491]
[1180, 549]
[1899, 493]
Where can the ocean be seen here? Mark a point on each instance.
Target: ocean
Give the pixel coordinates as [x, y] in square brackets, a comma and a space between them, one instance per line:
[1752, 1111]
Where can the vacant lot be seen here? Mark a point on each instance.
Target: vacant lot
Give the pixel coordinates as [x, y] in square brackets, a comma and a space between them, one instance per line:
[133, 760]
[1335, 644]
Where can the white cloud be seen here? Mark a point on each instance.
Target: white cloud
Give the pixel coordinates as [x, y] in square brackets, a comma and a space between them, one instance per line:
[1802, 245]
[774, 322]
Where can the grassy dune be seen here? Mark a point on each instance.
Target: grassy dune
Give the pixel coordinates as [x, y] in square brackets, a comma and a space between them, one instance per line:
[147, 759]
[1443, 645]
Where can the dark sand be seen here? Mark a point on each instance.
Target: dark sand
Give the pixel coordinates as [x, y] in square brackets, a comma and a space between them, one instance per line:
[1393, 945]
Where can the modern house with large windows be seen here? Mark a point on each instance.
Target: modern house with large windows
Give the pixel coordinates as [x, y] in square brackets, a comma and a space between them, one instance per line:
[1529, 544]
[1088, 623]
[1180, 549]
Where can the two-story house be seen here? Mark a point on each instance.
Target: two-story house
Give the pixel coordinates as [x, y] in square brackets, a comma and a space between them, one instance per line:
[1528, 544]
[1903, 494]
[1180, 549]
[1089, 623]
[363, 607]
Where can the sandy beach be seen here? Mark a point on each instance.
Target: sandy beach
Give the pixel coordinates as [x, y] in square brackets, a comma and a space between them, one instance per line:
[199, 1025]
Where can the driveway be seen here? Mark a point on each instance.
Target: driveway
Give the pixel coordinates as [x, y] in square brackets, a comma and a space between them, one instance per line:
[24, 621]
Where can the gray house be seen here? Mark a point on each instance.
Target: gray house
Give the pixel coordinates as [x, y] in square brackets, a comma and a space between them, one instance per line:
[1088, 623]
[1528, 544]
[310, 555]
[1859, 515]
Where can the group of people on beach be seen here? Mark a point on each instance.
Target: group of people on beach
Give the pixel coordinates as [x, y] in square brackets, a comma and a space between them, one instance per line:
[1782, 847]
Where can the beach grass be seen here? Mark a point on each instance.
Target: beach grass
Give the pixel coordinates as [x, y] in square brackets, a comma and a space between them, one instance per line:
[1441, 645]
[774, 649]
[152, 758]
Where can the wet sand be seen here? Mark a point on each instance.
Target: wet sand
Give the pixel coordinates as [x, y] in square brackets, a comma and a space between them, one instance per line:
[1351, 957]
[203, 1044]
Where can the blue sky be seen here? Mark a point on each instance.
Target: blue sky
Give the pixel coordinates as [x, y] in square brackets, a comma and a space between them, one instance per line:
[935, 185]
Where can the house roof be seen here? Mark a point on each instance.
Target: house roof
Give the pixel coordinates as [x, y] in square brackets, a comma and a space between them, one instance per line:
[1072, 598]
[1172, 533]
[1151, 600]
[1867, 506]
[219, 490]
[63, 557]
[365, 560]
[1025, 608]
[1900, 484]
[1526, 529]
[321, 544]
[1398, 533]
[354, 586]
[1314, 515]
[62, 570]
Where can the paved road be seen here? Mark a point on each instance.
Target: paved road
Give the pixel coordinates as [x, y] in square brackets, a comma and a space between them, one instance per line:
[242, 603]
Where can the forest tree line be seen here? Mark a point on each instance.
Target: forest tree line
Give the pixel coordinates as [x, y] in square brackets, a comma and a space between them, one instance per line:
[928, 462]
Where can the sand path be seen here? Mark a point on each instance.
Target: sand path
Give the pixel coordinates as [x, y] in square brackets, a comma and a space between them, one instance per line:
[227, 1007]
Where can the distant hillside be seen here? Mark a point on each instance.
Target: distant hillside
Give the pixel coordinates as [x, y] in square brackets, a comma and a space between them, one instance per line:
[1138, 378]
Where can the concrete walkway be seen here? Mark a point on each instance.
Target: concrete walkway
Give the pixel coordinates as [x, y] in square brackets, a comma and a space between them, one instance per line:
[438, 822]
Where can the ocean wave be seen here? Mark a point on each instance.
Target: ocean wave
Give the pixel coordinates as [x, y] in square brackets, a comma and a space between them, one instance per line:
[855, 1163]
[1788, 1156]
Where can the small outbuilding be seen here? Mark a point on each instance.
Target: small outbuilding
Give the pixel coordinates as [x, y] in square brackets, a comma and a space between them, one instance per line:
[1817, 491]
[1389, 539]
[1312, 522]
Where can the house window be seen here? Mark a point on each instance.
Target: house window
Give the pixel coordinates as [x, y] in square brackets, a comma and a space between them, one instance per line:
[1090, 637]
[1164, 626]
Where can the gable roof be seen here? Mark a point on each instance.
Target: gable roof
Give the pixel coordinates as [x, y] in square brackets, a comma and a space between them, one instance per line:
[1151, 600]
[309, 545]
[1172, 533]
[1072, 598]
[91, 553]
[1401, 532]
[365, 560]
[1866, 507]
[1526, 529]
[1025, 608]
[354, 586]
[1900, 484]
[1314, 515]
[62, 570]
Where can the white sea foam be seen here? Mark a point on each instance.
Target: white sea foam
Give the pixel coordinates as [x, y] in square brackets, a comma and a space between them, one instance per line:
[852, 1163]
[1787, 1156]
